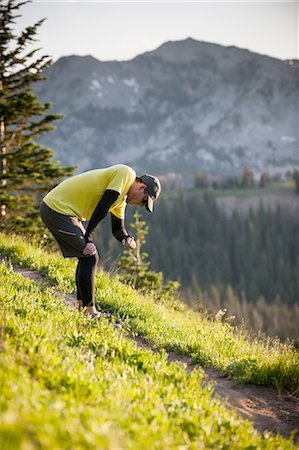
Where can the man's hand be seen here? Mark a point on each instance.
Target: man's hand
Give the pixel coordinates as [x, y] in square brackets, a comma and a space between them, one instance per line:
[90, 249]
[129, 242]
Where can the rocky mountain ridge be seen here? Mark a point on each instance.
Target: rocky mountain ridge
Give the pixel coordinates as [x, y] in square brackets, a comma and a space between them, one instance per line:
[184, 107]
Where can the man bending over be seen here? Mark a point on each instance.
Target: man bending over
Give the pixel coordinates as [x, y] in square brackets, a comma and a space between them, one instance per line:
[90, 196]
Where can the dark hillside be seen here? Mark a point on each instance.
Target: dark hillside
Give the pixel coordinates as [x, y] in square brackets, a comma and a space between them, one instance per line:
[226, 260]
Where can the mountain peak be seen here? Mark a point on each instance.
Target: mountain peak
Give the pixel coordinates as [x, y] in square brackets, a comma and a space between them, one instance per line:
[186, 106]
[189, 49]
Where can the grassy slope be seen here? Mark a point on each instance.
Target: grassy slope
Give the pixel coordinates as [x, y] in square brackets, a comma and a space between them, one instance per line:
[172, 326]
[67, 382]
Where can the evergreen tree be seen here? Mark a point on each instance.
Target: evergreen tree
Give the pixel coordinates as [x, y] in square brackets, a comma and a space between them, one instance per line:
[133, 263]
[134, 266]
[264, 179]
[296, 179]
[201, 180]
[26, 168]
[248, 177]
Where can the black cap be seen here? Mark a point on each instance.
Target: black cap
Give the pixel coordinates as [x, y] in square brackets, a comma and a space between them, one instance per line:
[153, 190]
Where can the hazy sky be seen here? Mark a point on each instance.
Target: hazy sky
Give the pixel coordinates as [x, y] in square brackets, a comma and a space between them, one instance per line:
[121, 30]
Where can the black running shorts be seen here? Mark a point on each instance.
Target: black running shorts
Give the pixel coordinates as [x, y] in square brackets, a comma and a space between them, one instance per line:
[68, 231]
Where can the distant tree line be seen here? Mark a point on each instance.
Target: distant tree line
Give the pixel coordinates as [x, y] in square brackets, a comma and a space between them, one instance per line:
[192, 241]
[245, 180]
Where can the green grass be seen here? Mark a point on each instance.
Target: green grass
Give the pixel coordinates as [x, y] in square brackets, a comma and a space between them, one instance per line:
[172, 326]
[71, 383]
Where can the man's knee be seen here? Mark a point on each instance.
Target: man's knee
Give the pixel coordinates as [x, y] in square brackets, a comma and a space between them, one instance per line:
[93, 259]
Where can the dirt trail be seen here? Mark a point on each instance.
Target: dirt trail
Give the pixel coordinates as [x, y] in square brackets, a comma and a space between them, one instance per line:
[264, 406]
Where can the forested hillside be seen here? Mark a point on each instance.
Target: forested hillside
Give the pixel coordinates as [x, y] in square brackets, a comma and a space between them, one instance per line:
[248, 265]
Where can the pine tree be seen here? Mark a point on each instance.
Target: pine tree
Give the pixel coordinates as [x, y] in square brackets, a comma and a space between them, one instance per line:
[264, 179]
[201, 180]
[26, 168]
[134, 266]
[296, 179]
[133, 263]
[248, 177]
